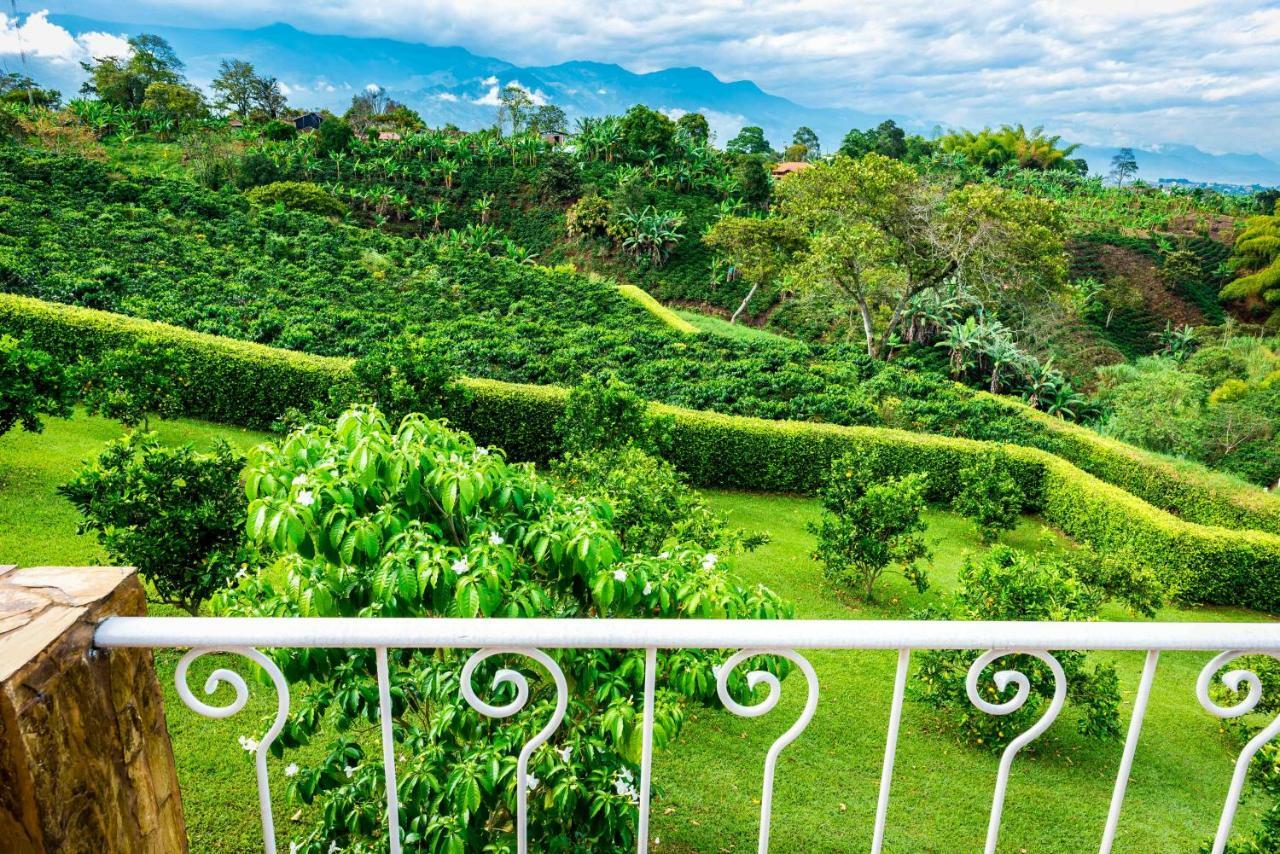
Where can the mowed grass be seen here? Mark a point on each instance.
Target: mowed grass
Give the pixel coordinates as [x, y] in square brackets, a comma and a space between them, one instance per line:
[709, 781]
[828, 780]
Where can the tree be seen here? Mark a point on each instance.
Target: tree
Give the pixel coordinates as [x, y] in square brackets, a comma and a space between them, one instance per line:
[176, 100]
[514, 106]
[876, 234]
[123, 82]
[760, 248]
[268, 97]
[869, 526]
[32, 384]
[18, 88]
[133, 384]
[235, 86]
[358, 519]
[1010, 145]
[990, 496]
[645, 132]
[548, 118]
[795, 152]
[171, 512]
[333, 136]
[805, 136]
[1124, 166]
[750, 140]
[886, 139]
[695, 127]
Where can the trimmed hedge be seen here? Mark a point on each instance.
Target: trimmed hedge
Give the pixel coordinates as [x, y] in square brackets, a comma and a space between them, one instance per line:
[251, 385]
[666, 316]
[228, 381]
[1185, 489]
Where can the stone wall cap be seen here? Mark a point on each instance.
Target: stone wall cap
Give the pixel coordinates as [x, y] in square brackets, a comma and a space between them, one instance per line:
[39, 603]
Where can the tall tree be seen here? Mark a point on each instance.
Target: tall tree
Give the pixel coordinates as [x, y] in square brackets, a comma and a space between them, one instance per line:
[269, 97]
[123, 81]
[696, 127]
[886, 139]
[235, 86]
[514, 106]
[805, 136]
[875, 233]
[18, 88]
[548, 118]
[750, 140]
[1124, 166]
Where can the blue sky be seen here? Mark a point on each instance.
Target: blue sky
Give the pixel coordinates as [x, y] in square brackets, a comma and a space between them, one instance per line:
[1096, 71]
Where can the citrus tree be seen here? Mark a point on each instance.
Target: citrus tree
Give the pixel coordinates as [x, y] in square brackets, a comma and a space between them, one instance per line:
[366, 521]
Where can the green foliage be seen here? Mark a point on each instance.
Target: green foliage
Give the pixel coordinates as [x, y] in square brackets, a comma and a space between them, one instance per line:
[750, 140]
[1256, 259]
[333, 136]
[608, 414]
[297, 196]
[696, 127]
[1005, 584]
[256, 169]
[134, 383]
[124, 81]
[171, 512]
[407, 375]
[870, 525]
[668, 317]
[990, 496]
[588, 217]
[32, 384]
[886, 140]
[1010, 145]
[278, 131]
[419, 522]
[646, 132]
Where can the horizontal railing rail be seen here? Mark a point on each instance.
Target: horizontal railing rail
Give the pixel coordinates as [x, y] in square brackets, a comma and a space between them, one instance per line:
[528, 638]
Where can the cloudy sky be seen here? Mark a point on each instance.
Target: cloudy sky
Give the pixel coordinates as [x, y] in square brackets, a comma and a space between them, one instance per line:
[1095, 71]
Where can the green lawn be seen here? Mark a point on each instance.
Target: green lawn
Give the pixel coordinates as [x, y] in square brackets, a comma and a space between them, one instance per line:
[709, 781]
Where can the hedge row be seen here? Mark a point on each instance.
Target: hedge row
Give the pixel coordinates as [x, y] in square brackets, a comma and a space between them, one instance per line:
[669, 318]
[229, 381]
[1187, 490]
[251, 385]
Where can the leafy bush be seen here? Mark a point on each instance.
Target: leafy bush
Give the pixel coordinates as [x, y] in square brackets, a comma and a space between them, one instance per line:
[420, 522]
[256, 169]
[870, 525]
[605, 414]
[298, 196]
[1005, 584]
[990, 496]
[407, 375]
[134, 383]
[32, 384]
[171, 512]
[278, 131]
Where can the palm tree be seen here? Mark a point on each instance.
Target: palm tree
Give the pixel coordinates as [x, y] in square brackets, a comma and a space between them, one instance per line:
[962, 341]
[1002, 353]
[449, 167]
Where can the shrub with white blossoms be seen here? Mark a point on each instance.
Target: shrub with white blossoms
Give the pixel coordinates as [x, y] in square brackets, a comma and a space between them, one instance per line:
[364, 521]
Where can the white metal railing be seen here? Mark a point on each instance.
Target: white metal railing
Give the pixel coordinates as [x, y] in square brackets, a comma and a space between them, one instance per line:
[243, 636]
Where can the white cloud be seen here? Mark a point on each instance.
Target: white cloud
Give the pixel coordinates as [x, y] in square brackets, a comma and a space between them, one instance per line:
[1108, 70]
[37, 38]
[493, 97]
[488, 99]
[448, 96]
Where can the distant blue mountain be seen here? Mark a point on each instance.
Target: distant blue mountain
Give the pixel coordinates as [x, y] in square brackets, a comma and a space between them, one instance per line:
[1186, 161]
[451, 84]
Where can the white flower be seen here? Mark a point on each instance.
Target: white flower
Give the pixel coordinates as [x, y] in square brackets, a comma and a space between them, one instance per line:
[291, 770]
[565, 752]
[665, 555]
[249, 744]
[305, 498]
[619, 575]
[300, 480]
[461, 566]
[532, 782]
[350, 770]
[709, 560]
[333, 846]
[242, 572]
[495, 539]
[648, 587]
[482, 452]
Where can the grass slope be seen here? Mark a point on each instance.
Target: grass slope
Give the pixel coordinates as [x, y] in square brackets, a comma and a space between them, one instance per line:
[709, 781]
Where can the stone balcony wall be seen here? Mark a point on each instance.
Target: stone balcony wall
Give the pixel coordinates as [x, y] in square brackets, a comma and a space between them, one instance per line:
[85, 759]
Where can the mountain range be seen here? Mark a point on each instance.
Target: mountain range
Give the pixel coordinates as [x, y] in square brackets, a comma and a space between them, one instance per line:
[452, 84]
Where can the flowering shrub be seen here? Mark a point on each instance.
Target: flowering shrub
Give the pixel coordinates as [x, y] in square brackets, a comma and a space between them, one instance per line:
[364, 521]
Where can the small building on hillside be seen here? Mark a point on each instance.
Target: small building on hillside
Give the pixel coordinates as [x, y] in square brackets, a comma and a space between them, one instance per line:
[306, 121]
[788, 167]
[235, 124]
[555, 137]
[388, 136]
